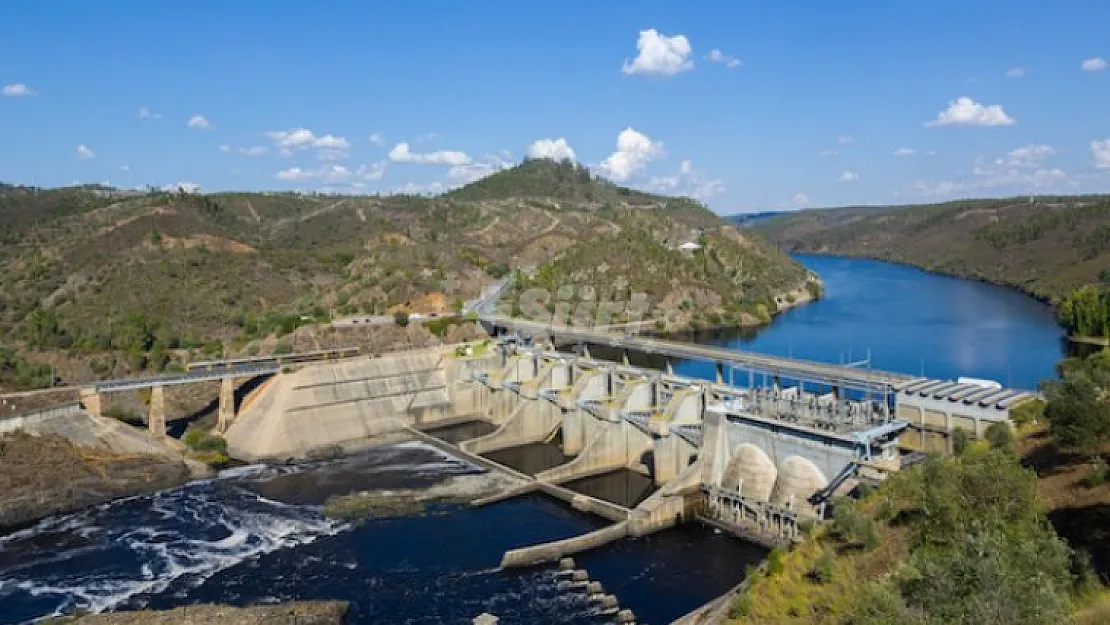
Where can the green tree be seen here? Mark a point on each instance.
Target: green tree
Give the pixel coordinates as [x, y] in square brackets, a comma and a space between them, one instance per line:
[42, 328]
[1077, 411]
[1000, 435]
[401, 318]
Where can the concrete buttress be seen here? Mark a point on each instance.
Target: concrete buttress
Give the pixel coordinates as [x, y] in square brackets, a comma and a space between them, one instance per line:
[156, 420]
[91, 400]
[227, 404]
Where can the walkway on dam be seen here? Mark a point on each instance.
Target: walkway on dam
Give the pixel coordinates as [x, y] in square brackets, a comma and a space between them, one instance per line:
[844, 376]
[221, 369]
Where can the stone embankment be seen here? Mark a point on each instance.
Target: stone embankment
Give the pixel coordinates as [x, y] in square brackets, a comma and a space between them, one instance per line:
[296, 613]
[71, 460]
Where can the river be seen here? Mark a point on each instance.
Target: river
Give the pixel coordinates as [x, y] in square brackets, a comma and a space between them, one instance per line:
[909, 321]
[256, 534]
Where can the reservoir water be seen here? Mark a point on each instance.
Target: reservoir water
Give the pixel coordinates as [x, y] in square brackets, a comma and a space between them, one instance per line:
[911, 322]
[256, 534]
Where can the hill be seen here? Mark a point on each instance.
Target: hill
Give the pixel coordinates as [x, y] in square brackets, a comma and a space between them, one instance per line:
[123, 278]
[1047, 248]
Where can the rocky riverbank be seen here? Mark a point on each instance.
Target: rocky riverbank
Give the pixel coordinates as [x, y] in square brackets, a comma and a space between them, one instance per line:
[296, 613]
[48, 474]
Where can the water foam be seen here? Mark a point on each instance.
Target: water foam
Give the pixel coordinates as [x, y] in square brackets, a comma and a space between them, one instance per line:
[192, 533]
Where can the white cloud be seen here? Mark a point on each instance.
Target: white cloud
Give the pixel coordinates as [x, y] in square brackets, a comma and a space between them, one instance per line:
[801, 200]
[904, 152]
[660, 54]
[942, 188]
[849, 176]
[554, 149]
[634, 151]
[331, 155]
[84, 153]
[371, 172]
[1095, 64]
[301, 138]
[187, 187]
[687, 182]
[729, 61]
[845, 139]
[125, 168]
[931, 153]
[465, 174]
[377, 139]
[967, 112]
[146, 113]
[1101, 151]
[254, 150]
[402, 154]
[1015, 72]
[224, 148]
[327, 174]
[16, 90]
[827, 153]
[200, 122]
[1027, 157]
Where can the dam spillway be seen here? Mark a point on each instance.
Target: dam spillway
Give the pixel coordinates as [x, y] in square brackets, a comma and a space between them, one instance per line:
[644, 448]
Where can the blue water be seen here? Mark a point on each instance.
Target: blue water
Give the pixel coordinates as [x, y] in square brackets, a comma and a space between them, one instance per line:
[910, 321]
[256, 535]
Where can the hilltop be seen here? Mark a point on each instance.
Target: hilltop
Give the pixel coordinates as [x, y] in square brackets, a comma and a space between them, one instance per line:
[1047, 248]
[129, 281]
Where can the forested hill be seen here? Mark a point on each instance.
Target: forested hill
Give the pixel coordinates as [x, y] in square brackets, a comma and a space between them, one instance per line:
[1047, 247]
[90, 270]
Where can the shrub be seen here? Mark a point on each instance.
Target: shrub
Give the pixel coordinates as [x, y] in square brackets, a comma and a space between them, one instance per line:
[401, 318]
[775, 565]
[1028, 412]
[1001, 436]
[282, 348]
[825, 567]
[1098, 475]
[201, 441]
[960, 440]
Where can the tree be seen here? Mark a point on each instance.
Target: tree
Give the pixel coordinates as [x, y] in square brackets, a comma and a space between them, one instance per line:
[42, 328]
[401, 318]
[1076, 409]
[1000, 435]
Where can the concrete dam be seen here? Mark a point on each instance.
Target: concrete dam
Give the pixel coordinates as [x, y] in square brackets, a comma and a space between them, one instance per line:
[643, 448]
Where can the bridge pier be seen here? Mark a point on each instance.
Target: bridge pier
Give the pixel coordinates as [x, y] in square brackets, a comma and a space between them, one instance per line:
[226, 413]
[91, 400]
[156, 418]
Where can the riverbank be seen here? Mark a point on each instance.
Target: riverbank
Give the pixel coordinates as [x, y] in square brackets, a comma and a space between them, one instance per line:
[296, 613]
[82, 462]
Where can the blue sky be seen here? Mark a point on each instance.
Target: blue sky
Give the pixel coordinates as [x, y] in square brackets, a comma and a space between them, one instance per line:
[810, 103]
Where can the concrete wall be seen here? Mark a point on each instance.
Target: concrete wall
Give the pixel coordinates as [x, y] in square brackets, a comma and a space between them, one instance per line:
[671, 455]
[533, 421]
[553, 551]
[332, 403]
[611, 446]
[577, 423]
[782, 467]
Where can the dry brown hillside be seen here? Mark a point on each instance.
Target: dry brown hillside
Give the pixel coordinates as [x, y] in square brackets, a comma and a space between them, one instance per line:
[1047, 247]
[125, 279]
